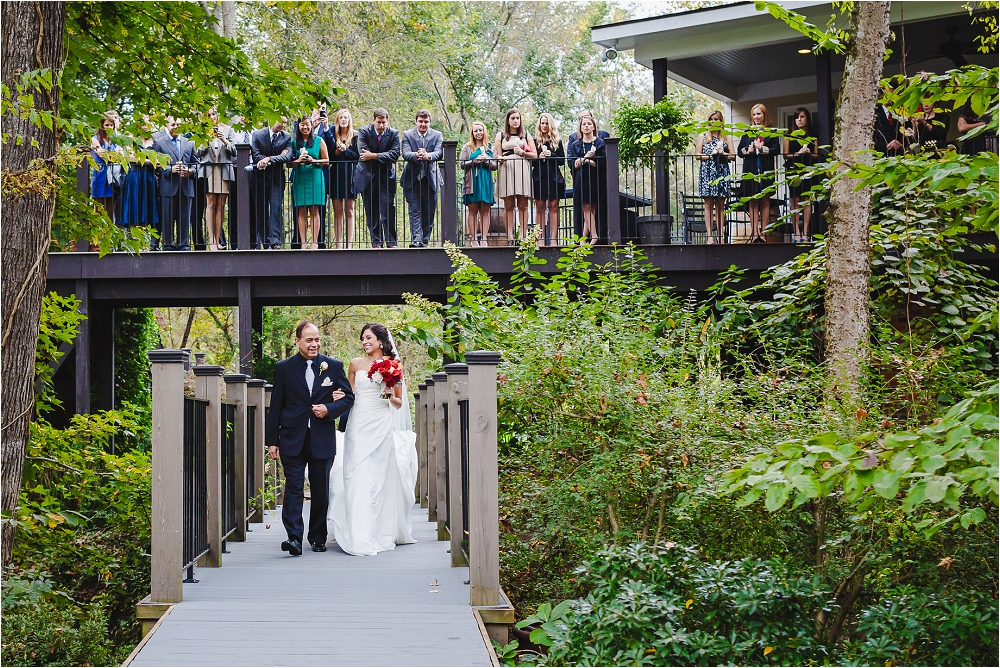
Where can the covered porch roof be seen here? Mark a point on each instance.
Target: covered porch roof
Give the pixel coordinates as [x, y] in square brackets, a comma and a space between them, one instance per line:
[738, 54]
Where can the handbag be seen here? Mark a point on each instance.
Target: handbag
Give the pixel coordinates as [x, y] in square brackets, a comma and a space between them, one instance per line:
[115, 174]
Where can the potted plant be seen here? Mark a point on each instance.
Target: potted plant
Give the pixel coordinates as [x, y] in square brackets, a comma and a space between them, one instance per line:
[648, 132]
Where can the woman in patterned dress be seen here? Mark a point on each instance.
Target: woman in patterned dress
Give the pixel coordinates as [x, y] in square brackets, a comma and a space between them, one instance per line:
[714, 150]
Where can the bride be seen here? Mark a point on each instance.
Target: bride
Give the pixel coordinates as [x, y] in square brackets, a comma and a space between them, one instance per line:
[375, 471]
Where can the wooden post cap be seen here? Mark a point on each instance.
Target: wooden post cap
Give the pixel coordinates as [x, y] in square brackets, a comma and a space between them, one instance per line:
[235, 378]
[482, 357]
[257, 382]
[429, 382]
[169, 356]
[440, 377]
[456, 369]
[209, 370]
[422, 386]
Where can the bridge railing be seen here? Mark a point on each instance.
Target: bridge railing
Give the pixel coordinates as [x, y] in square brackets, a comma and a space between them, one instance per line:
[458, 482]
[205, 478]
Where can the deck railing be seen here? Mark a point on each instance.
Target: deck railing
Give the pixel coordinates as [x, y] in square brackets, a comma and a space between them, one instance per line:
[204, 476]
[458, 481]
[195, 489]
[623, 194]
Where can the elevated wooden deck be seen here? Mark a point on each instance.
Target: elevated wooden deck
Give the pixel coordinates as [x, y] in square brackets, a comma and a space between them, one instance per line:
[265, 608]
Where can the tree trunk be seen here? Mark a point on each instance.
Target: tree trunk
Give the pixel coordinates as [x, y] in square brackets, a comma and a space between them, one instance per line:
[32, 40]
[848, 269]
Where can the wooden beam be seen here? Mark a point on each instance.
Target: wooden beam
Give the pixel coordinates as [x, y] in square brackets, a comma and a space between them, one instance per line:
[208, 386]
[484, 515]
[167, 538]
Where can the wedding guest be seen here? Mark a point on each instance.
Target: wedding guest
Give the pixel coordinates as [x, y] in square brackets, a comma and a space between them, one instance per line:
[216, 168]
[758, 153]
[714, 150]
[101, 182]
[270, 151]
[800, 154]
[176, 187]
[548, 185]
[967, 122]
[308, 184]
[140, 207]
[603, 134]
[513, 147]
[375, 177]
[342, 147]
[478, 164]
[422, 147]
[930, 128]
[888, 132]
[585, 153]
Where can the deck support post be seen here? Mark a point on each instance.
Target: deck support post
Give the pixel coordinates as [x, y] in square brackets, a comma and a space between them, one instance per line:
[236, 393]
[458, 390]
[484, 508]
[167, 539]
[255, 456]
[440, 453]
[431, 440]
[276, 493]
[208, 386]
[420, 404]
[246, 321]
[82, 345]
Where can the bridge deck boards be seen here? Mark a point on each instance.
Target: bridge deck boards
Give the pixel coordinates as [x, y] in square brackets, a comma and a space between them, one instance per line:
[264, 608]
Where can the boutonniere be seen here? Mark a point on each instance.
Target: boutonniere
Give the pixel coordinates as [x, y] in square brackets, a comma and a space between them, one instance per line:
[323, 367]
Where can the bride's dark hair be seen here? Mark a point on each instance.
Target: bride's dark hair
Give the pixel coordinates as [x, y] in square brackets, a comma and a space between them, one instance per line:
[382, 334]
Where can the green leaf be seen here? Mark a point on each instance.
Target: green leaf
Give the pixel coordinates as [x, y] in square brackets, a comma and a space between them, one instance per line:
[776, 496]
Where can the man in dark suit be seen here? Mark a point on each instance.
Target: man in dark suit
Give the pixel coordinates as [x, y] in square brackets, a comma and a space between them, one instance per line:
[888, 134]
[301, 429]
[175, 185]
[270, 150]
[375, 177]
[422, 148]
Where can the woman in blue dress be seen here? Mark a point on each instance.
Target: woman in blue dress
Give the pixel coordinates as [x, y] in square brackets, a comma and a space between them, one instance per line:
[478, 164]
[140, 207]
[308, 184]
[101, 188]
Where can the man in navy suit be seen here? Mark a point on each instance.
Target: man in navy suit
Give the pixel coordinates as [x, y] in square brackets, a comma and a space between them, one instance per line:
[301, 429]
[422, 148]
[175, 185]
[270, 149]
[375, 177]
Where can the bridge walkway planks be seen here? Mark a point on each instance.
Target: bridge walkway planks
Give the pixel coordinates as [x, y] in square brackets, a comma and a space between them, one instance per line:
[265, 608]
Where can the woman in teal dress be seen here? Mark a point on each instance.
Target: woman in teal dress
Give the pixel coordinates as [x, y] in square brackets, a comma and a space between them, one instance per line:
[477, 187]
[308, 184]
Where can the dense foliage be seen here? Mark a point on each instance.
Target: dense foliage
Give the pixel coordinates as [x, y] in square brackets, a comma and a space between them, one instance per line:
[644, 128]
[81, 559]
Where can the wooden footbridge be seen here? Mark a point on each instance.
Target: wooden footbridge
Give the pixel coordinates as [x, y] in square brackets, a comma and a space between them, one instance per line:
[222, 592]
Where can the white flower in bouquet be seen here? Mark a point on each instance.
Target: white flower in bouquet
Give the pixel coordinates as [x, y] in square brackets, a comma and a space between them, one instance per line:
[377, 377]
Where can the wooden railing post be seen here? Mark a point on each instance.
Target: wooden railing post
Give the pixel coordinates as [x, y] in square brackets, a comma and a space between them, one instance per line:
[418, 427]
[449, 193]
[208, 386]
[431, 438]
[458, 390]
[83, 187]
[255, 457]
[167, 539]
[244, 229]
[236, 393]
[273, 505]
[614, 193]
[440, 453]
[484, 514]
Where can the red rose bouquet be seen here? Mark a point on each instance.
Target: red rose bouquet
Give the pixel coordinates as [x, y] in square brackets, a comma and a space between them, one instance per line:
[386, 372]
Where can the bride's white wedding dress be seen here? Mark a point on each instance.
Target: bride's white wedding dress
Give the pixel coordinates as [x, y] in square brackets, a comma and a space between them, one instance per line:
[374, 474]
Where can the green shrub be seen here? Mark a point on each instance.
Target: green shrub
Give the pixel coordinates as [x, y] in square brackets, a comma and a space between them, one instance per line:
[657, 123]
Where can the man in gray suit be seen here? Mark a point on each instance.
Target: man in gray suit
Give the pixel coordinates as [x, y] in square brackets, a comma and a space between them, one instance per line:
[422, 148]
[175, 185]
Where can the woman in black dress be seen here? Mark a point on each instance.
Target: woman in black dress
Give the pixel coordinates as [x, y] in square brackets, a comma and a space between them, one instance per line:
[548, 185]
[758, 154]
[342, 147]
[800, 153]
[586, 154]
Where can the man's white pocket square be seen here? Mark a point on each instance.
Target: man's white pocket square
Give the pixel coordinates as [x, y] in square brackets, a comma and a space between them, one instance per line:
[327, 382]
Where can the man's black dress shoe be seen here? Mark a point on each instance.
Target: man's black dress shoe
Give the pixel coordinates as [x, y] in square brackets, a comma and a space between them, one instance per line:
[275, 246]
[292, 547]
[318, 547]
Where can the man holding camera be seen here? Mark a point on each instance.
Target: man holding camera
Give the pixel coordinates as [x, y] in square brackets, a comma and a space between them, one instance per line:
[175, 185]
